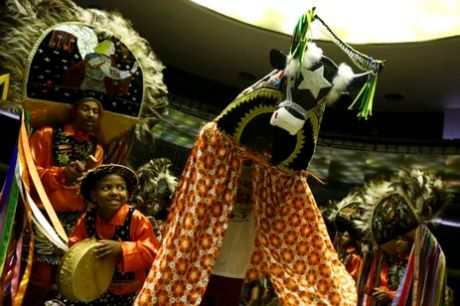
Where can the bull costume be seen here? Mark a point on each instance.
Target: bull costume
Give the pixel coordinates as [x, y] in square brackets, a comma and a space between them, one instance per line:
[291, 244]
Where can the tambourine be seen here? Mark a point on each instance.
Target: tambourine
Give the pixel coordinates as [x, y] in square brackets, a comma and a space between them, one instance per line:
[82, 277]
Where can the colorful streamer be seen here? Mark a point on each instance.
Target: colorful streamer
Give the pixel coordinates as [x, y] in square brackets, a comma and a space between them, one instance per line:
[10, 196]
[424, 282]
[30, 170]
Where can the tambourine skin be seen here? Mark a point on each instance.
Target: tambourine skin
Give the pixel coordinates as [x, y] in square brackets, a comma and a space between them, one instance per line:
[82, 277]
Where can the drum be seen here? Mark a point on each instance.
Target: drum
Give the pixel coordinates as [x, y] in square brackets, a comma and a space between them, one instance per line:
[82, 277]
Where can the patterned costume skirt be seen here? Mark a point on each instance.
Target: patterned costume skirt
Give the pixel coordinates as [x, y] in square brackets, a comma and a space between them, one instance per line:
[107, 299]
[292, 246]
[45, 251]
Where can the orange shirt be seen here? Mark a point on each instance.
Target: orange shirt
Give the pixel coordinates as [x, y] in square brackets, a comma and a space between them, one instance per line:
[137, 254]
[353, 263]
[63, 198]
[384, 281]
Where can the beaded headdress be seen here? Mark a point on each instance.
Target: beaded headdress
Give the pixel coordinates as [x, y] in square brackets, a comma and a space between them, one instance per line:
[398, 206]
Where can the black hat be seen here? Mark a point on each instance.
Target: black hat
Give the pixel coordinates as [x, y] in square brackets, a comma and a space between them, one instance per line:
[93, 176]
[87, 99]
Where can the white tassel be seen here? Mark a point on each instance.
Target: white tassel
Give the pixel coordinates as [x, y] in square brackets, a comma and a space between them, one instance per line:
[312, 55]
[340, 82]
[292, 67]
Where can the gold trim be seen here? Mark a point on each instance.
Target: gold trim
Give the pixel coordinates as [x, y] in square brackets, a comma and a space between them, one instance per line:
[112, 125]
[259, 92]
[314, 117]
[256, 111]
[299, 143]
[5, 79]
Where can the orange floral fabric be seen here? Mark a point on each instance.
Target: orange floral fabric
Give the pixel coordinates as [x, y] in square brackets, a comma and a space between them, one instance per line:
[292, 245]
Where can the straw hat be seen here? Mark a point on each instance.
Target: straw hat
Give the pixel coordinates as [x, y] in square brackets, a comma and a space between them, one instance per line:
[93, 176]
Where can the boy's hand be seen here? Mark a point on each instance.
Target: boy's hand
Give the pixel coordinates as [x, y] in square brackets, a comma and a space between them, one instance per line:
[108, 247]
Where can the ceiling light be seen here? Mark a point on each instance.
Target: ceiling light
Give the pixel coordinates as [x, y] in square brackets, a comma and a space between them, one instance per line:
[354, 21]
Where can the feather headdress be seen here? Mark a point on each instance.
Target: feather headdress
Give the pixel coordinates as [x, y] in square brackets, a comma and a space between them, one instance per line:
[23, 25]
[395, 207]
[345, 213]
[156, 186]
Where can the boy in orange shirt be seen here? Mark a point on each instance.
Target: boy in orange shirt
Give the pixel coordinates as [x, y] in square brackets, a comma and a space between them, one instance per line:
[122, 231]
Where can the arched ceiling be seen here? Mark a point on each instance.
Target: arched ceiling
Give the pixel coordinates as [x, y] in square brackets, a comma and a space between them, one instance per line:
[354, 21]
[418, 76]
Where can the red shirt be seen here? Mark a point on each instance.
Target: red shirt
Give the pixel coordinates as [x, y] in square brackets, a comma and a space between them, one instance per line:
[137, 254]
[353, 264]
[63, 198]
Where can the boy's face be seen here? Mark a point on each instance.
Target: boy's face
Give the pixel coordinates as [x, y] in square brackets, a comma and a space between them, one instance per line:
[109, 194]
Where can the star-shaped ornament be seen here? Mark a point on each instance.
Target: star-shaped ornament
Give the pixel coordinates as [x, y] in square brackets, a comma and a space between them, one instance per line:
[314, 81]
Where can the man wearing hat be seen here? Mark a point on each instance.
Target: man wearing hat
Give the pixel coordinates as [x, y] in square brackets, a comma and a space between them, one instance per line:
[62, 153]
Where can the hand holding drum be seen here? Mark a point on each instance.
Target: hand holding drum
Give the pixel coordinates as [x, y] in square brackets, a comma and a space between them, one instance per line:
[86, 271]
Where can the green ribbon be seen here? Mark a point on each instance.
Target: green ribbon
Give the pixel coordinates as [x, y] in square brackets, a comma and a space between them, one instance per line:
[9, 213]
[10, 207]
[365, 97]
[300, 35]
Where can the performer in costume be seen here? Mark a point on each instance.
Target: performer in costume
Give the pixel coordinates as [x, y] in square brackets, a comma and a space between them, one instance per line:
[291, 244]
[62, 153]
[405, 251]
[393, 267]
[341, 216]
[122, 231]
[156, 187]
[349, 253]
